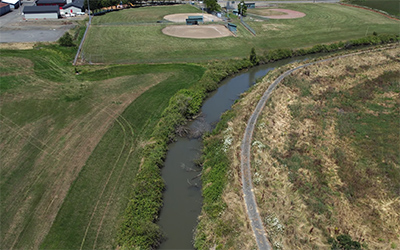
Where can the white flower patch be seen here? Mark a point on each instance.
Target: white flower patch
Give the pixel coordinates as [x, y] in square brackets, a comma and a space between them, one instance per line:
[262, 125]
[276, 229]
[228, 139]
[257, 178]
[278, 245]
[274, 224]
[259, 145]
[258, 162]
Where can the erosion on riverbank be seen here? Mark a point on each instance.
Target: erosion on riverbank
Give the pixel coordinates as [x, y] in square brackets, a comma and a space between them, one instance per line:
[325, 158]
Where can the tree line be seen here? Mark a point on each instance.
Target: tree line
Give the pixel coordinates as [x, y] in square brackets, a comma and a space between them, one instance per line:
[98, 4]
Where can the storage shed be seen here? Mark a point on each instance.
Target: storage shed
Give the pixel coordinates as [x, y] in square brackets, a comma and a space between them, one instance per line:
[4, 8]
[14, 4]
[40, 12]
[74, 7]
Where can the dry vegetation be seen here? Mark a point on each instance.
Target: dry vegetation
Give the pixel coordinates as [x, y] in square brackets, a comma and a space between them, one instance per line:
[317, 173]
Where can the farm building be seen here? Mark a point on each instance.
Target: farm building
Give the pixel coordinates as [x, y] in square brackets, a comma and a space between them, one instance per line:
[74, 7]
[39, 12]
[4, 8]
[59, 3]
[14, 4]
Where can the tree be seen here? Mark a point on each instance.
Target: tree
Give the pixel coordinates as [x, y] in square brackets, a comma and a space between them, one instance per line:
[212, 5]
[242, 8]
[66, 40]
[253, 57]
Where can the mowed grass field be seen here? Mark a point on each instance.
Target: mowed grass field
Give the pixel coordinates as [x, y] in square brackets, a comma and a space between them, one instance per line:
[113, 40]
[71, 144]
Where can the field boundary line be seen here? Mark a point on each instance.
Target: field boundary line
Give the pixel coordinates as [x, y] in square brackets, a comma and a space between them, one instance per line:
[83, 39]
[247, 186]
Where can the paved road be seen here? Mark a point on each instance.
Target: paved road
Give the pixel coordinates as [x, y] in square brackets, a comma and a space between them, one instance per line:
[248, 194]
[14, 29]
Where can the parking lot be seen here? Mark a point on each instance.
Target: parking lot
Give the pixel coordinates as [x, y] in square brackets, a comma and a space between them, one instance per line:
[14, 29]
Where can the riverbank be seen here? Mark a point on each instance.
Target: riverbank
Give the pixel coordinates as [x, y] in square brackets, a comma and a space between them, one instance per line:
[295, 207]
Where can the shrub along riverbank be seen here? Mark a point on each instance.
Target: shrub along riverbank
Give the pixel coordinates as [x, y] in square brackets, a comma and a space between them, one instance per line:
[139, 228]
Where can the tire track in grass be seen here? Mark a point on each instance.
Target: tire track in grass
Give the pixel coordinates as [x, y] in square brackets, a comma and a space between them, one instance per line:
[116, 182]
[26, 193]
[106, 183]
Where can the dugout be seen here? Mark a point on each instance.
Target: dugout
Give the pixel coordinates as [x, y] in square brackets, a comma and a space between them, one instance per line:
[232, 28]
[194, 20]
[250, 5]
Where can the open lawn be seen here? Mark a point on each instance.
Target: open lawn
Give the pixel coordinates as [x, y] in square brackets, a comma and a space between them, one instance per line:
[70, 145]
[131, 43]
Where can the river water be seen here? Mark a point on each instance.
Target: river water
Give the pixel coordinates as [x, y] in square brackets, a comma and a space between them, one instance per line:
[182, 197]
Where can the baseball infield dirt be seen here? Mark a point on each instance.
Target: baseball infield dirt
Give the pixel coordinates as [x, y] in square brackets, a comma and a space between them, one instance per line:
[197, 31]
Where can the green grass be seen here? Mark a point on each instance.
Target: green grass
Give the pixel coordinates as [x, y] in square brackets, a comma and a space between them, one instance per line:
[323, 23]
[41, 102]
[140, 117]
[392, 7]
[142, 15]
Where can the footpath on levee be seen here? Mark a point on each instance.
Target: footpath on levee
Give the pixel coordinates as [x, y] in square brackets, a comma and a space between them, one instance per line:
[248, 194]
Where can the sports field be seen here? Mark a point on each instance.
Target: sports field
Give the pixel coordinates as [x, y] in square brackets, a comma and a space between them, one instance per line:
[116, 41]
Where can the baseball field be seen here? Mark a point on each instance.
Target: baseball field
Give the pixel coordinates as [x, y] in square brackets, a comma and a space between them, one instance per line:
[113, 39]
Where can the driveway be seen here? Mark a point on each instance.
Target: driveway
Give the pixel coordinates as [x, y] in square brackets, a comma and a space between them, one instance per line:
[14, 29]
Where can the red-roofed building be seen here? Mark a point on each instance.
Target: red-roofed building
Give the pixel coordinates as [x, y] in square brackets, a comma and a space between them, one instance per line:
[4, 8]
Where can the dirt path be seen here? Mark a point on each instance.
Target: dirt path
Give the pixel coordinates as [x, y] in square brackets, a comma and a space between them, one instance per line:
[248, 194]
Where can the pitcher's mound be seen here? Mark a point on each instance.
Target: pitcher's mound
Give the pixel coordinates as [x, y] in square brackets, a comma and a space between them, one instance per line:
[194, 31]
[181, 18]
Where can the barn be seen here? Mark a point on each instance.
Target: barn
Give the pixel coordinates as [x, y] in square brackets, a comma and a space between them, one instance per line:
[74, 7]
[40, 12]
[14, 4]
[4, 8]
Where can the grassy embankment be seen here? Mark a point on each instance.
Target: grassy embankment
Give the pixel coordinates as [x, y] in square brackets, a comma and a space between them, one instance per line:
[52, 121]
[114, 41]
[325, 159]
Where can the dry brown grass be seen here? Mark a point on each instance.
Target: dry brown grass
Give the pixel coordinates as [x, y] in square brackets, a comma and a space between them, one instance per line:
[373, 218]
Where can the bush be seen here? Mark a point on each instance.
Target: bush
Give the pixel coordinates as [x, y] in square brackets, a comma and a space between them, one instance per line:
[344, 242]
[66, 40]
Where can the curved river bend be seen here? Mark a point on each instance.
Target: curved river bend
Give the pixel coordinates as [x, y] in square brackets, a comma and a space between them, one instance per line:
[182, 197]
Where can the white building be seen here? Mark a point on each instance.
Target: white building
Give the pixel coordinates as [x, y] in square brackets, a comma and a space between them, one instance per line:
[73, 7]
[41, 12]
